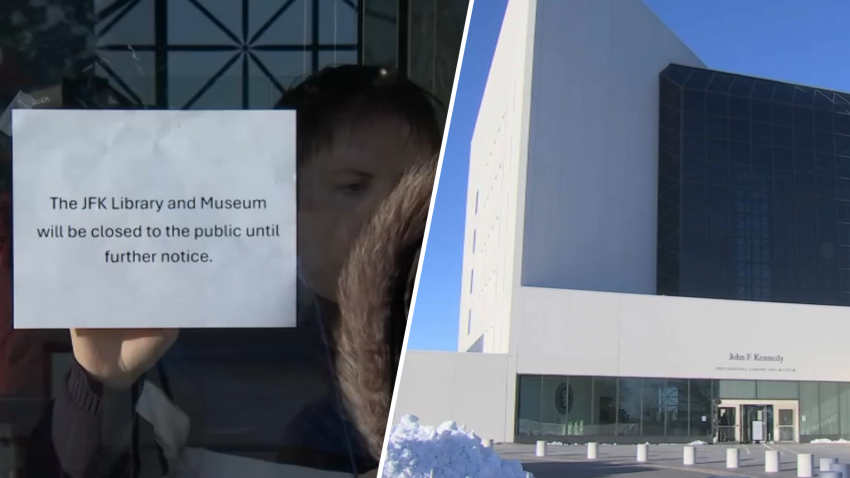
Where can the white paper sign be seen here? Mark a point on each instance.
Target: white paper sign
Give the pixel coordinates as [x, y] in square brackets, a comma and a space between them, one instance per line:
[136, 219]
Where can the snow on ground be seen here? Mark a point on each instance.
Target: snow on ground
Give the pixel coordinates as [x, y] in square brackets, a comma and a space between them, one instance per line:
[447, 451]
[827, 440]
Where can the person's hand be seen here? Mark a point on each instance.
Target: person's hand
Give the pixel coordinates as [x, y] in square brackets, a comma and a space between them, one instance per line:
[118, 357]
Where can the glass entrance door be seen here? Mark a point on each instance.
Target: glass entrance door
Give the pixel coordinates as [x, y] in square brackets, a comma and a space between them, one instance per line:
[750, 421]
[726, 422]
[756, 423]
[787, 425]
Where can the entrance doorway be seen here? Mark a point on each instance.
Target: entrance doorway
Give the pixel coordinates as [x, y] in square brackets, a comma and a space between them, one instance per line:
[727, 423]
[757, 421]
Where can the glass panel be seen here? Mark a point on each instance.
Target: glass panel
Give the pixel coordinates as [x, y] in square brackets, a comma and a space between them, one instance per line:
[844, 408]
[787, 423]
[628, 403]
[701, 405]
[727, 421]
[605, 406]
[654, 407]
[580, 415]
[380, 32]
[694, 101]
[528, 405]
[809, 408]
[737, 389]
[674, 399]
[829, 419]
[337, 21]
[436, 30]
[774, 390]
[554, 405]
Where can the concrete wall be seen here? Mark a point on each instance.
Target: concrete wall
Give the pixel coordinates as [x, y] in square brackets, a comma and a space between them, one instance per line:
[591, 198]
[496, 159]
[569, 332]
[471, 389]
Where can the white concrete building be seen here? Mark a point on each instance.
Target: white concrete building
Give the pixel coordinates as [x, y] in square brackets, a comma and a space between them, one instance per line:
[603, 182]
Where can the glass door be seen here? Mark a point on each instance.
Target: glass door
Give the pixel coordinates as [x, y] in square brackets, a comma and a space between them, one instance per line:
[726, 422]
[756, 423]
[787, 425]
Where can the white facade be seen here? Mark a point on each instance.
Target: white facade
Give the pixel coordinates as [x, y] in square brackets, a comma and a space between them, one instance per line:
[637, 335]
[563, 164]
[496, 170]
[562, 281]
[573, 332]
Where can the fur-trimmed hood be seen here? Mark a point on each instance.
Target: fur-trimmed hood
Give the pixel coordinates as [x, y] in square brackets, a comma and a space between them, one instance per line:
[376, 289]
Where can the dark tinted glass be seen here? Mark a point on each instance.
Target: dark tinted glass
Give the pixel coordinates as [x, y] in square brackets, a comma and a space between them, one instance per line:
[762, 190]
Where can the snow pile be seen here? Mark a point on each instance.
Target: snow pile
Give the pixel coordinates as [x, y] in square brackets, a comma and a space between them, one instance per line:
[820, 441]
[449, 451]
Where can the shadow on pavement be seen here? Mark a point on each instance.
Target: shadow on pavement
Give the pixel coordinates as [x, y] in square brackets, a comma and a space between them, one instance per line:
[585, 469]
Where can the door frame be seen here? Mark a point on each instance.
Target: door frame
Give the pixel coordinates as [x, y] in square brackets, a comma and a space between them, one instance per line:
[777, 405]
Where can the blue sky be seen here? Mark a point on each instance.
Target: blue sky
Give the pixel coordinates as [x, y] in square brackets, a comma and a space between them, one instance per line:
[799, 41]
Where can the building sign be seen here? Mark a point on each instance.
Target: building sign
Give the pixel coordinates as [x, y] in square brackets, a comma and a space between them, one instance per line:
[754, 362]
[752, 357]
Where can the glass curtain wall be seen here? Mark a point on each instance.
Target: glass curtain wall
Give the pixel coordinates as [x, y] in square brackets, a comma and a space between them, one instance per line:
[581, 408]
[754, 189]
[220, 53]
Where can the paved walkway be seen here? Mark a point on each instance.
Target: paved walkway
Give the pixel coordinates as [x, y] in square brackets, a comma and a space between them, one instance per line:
[665, 461]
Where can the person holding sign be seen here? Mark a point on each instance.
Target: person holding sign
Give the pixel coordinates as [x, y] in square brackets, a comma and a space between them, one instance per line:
[366, 147]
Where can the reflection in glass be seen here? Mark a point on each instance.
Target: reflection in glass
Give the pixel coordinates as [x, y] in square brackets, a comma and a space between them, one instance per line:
[528, 405]
[776, 390]
[436, 28]
[701, 406]
[380, 35]
[679, 410]
[629, 407]
[580, 416]
[554, 405]
[656, 402]
[829, 405]
[676, 406]
[809, 408]
[844, 408]
[215, 54]
[605, 406]
[787, 424]
[736, 389]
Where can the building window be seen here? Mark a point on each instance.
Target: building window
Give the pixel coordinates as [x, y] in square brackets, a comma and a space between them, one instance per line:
[471, 280]
[474, 236]
[476, 202]
[469, 322]
[633, 409]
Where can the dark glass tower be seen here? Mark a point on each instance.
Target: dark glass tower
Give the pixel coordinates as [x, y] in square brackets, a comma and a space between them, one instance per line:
[753, 189]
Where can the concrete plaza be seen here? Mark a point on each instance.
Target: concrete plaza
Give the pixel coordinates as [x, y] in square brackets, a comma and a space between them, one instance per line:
[665, 461]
